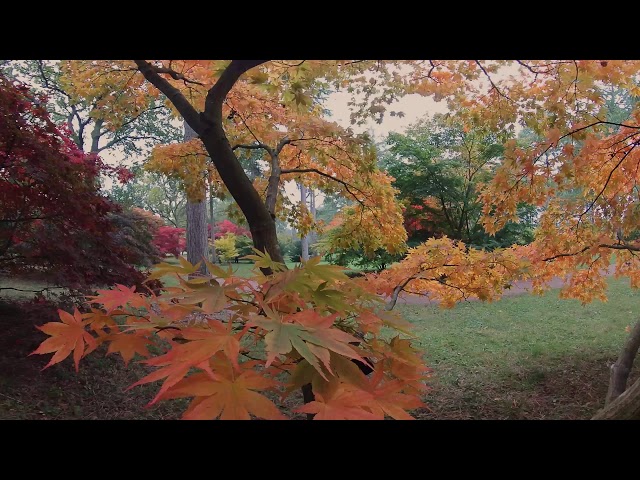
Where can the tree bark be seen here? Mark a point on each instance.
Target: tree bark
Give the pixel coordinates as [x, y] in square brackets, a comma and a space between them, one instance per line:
[212, 220]
[622, 368]
[625, 407]
[622, 403]
[313, 236]
[196, 222]
[304, 240]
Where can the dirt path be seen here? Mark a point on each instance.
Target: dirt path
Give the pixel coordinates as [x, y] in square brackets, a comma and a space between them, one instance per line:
[517, 288]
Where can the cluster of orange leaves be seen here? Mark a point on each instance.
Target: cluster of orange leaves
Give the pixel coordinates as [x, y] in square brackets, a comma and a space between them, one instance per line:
[448, 272]
[236, 345]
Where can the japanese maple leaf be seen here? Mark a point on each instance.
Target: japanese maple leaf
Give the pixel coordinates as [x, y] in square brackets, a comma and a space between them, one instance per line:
[99, 320]
[128, 345]
[66, 337]
[203, 344]
[118, 297]
[388, 398]
[227, 398]
[212, 297]
[313, 340]
[345, 404]
[328, 273]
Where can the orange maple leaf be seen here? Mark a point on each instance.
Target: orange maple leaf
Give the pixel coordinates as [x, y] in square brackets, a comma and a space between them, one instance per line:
[203, 345]
[227, 398]
[312, 336]
[388, 398]
[66, 337]
[345, 403]
[128, 345]
[99, 320]
[118, 297]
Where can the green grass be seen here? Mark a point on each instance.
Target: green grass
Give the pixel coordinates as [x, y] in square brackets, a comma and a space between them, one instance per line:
[522, 355]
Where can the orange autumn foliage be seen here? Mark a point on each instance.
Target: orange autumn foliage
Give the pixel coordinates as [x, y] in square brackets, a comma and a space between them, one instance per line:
[233, 344]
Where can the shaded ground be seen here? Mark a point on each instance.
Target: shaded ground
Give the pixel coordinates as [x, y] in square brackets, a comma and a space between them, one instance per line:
[96, 392]
[573, 391]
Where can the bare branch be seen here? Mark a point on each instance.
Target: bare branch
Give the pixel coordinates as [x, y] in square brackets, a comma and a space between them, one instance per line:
[190, 114]
[491, 81]
[252, 147]
[176, 75]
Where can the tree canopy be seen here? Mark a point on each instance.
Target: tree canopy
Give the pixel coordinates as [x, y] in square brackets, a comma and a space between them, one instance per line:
[580, 168]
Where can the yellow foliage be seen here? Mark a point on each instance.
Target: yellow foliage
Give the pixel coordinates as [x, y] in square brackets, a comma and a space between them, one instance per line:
[226, 247]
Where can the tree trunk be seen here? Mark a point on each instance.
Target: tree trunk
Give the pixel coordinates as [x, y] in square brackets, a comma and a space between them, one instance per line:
[622, 368]
[196, 222]
[304, 240]
[212, 222]
[313, 236]
[623, 404]
[625, 407]
[197, 250]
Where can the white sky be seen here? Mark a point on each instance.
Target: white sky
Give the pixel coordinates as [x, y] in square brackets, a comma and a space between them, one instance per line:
[413, 106]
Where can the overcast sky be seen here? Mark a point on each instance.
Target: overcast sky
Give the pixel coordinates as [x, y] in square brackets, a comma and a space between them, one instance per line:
[413, 106]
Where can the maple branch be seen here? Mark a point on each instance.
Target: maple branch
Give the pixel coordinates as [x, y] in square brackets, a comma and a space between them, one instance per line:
[346, 185]
[607, 182]
[630, 248]
[399, 288]
[28, 219]
[188, 112]
[491, 81]
[35, 291]
[147, 110]
[290, 65]
[215, 97]
[45, 79]
[274, 177]
[621, 246]
[244, 121]
[433, 67]
[176, 75]
[396, 292]
[251, 147]
[117, 140]
[547, 65]
[282, 143]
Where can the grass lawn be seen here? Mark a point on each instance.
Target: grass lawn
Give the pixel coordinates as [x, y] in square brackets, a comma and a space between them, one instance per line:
[523, 356]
